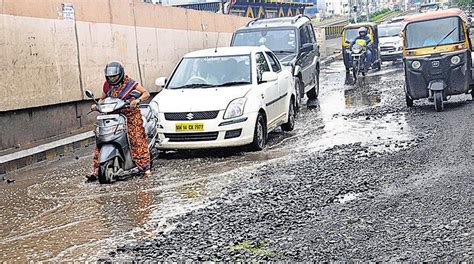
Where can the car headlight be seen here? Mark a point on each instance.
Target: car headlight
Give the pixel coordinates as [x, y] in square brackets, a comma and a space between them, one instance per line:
[107, 108]
[235, 108]
[455, 59]
[416, 65]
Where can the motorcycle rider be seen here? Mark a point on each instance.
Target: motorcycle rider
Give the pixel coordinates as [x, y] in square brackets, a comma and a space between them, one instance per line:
[119, 85]
[368, 43]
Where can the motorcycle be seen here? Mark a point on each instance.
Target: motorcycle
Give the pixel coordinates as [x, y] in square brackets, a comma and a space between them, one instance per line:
[115, 157]
[358, 53]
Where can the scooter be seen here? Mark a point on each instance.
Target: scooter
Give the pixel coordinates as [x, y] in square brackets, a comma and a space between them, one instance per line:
[115, 157]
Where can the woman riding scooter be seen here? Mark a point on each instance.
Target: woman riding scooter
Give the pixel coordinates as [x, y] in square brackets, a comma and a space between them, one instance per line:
[119, 85]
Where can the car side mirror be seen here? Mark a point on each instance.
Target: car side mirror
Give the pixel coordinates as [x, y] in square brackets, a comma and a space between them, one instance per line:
[307, 47]
[269, 76]
[161, 82]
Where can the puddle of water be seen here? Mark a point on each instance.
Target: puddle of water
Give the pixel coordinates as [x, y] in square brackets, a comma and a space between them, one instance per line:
[347, 197]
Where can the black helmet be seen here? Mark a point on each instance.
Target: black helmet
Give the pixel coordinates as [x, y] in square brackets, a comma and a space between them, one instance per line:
[114, 68]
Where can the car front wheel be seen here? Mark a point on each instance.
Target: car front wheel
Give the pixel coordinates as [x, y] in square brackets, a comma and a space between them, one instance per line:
[260, 134]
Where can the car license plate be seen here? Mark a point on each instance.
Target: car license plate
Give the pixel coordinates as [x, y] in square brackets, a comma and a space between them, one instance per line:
[189, 127]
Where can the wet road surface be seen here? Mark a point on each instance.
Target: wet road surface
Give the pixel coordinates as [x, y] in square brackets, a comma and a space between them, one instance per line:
[50, 213]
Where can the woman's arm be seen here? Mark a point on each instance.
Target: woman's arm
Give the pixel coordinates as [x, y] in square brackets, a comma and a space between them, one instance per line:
[145, 94]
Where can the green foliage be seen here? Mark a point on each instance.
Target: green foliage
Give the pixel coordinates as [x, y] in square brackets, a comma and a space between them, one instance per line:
[257, 248]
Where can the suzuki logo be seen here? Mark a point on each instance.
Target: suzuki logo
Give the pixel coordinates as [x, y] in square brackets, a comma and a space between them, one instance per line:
[435, 64]
[190, 116]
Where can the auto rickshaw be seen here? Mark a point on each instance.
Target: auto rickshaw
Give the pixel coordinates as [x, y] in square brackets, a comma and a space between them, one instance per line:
[350, 32]
[437, 56]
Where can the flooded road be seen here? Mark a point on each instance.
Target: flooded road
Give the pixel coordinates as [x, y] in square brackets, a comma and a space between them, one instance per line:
[50, 213]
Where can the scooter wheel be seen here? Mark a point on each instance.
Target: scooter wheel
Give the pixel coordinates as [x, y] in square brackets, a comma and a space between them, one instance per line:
[106, 172]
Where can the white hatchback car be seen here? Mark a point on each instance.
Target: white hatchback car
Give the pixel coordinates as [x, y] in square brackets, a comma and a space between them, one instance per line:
[224, 97]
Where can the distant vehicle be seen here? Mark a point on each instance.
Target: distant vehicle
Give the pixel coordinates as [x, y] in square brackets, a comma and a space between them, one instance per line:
[391, 43]
[293, 40]
[398, 19]
[225, 97]
[349, 33]
[428, 8]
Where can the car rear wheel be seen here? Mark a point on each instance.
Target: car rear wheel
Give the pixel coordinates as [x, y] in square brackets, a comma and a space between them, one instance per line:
[314, 92]
[260, 134]
[290, 125]
[408, 100]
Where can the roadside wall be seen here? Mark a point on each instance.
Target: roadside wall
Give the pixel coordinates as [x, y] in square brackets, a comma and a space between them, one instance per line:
[48, 58]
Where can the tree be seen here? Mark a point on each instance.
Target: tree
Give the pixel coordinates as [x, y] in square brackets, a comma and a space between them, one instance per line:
[463, 3]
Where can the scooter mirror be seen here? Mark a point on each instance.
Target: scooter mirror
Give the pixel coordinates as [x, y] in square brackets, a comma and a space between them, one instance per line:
[90, 94]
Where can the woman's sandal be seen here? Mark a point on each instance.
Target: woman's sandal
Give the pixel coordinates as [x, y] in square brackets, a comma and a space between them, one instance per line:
[147, 173]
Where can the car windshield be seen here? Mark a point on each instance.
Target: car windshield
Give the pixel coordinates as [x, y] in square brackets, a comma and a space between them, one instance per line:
[278, 40]
[389, 31]
[204, 72]
[422, 34]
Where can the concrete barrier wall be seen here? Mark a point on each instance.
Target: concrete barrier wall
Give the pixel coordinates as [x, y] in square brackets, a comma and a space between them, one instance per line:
[46, 59]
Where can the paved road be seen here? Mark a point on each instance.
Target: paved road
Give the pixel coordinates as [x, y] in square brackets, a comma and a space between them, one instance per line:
[362, 177]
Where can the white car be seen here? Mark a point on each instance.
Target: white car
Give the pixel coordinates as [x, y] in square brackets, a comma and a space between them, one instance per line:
[224, 97]
[391, 43]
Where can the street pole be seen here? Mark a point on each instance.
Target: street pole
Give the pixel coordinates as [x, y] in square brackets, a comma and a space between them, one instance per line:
[368, 11]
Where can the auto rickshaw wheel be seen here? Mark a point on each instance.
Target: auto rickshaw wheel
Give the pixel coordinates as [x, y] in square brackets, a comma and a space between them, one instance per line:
[378, 65]
[408, 100]
[438, 101]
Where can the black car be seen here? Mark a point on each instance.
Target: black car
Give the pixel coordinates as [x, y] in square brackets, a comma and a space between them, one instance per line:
[293, 41]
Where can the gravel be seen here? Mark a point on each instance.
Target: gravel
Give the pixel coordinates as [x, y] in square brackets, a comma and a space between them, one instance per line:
[414, 204]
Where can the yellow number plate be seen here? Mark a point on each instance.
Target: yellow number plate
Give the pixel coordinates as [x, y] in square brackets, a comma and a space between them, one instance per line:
[189, 127]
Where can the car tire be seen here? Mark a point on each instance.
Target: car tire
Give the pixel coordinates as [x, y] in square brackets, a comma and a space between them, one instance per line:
[260, 134]
[290, 124]
[314, 92]
[408, 100]
[298, 93]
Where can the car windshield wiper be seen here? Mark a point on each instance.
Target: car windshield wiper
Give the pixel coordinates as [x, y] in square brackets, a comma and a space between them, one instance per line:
[447, 35]
[283, 51]
[233, 83]
[194, 85]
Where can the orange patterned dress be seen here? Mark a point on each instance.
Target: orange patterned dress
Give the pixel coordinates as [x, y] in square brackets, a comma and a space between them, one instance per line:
[136, 134]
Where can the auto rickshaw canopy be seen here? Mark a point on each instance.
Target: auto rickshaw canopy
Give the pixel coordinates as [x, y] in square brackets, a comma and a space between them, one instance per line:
[372, 32]
[436, 14]
[425, 34]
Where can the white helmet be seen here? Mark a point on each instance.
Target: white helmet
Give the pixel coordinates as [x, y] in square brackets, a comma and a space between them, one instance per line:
[362, 30]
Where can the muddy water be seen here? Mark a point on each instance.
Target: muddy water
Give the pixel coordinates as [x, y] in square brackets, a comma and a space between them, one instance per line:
[51, 214]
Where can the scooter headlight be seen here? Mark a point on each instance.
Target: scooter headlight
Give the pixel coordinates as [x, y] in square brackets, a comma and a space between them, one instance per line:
[107, 108]
[455, 59]
[416, 65]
